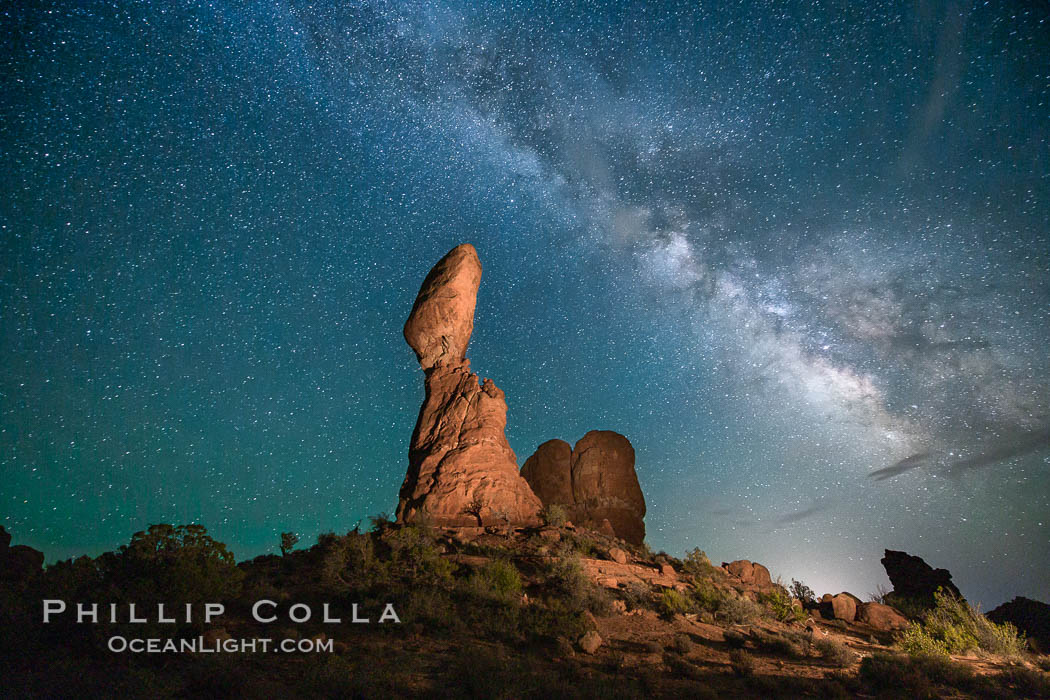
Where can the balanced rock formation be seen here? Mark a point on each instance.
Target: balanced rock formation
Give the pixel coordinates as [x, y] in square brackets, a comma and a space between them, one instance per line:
[595, 481]
[914, 579]
[461, 469]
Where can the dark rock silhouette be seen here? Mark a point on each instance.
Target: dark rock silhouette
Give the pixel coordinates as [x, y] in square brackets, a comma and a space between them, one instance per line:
[915, 579]
[461, 469]
[595, 481]
[20, 562]
[1029, 616]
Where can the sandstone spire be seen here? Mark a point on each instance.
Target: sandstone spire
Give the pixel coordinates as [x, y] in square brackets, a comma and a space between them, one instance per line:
[461, 469]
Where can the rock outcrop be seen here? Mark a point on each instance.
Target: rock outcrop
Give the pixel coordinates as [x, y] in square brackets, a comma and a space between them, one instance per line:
[914, 579]
[461, 469]
[881, 617]
[595, 481]
[1029, 616]
[749, 572]
[20, 562]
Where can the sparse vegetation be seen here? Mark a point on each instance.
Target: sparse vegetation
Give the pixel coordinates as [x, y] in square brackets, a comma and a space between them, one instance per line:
[739, 611]
[554, 515]
[698, 565]
[671, 603]
[835, 653]
[781, 606]
[743, 664]
[953, 627]
[498, 578]
[288, 542]
[802, 592]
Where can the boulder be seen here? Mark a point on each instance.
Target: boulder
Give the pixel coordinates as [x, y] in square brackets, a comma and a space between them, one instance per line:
[741, 569]
[915, 579]
[881, 617]
[618, 555]
[844, 607]
[442, 318]
[760, 575]
[590, 642]
[461, 469]
[595, 481]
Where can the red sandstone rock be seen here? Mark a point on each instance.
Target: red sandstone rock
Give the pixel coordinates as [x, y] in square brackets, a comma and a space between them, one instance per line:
[741, 569]
[442, 319]
[881, 617]
[549, 472]
[461, 469]
[595, 481]
[844, 607]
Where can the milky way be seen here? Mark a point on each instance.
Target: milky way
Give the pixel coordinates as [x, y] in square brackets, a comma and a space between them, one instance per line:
[799, 256]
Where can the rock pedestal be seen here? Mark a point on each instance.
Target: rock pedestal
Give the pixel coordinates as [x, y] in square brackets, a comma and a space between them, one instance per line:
[461, 469]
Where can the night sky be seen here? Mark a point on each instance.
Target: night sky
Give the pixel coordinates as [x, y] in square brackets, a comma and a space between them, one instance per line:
[799, 256]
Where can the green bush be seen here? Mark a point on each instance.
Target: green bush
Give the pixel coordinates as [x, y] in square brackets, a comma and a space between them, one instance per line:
[671, 603]
[791, 645]
[779, 603]
[499, 579]
[565, 578]
[698, 565]
[554, 515]
[707, 597]
[739, 611]
[953, 627]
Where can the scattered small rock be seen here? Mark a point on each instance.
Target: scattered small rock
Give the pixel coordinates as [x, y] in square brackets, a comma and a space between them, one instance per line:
[590, 642]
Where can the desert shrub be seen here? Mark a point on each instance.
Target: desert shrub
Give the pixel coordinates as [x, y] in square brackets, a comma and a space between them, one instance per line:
[743, 664]
[915, 640]
[835, 653]
[379, 521]
[565, 578]
[637, 595]
[879, 596]
[914, 676]
[779, 645]
[1002, 639]
[706, 596]
[698, 565]
[802, 592]
[682, 644]
[779, 603]
[414, 555]
[554, 515]
[1026, 682]
[584, 545]
[739, 611]
[671, 603]
[173, 565]
[953, 627]
[498, 578]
